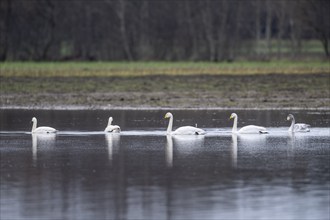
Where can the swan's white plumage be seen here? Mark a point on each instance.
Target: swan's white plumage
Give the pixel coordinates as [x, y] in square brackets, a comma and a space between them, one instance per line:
[185, 130]
[297, 127]
[249, 129]
[252, 129]
[189, 130]
[112, 128]
[42, 129]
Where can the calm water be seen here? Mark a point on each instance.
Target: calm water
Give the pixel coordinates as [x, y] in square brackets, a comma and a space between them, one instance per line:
[82, 173]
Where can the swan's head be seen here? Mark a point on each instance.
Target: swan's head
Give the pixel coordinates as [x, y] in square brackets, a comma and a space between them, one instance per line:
[289, 117]
[110, 121]
[34, 120]
[233, 115]
[168, 115]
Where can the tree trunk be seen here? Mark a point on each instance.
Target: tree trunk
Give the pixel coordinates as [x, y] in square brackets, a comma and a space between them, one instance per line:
[192, 31]
[257, 26]
[223, 33]
[268, 27]
[144, 49]
[123, 32]
[208, 24]
[325, 43]
[5, 31]
[281, 18]
[51, 21]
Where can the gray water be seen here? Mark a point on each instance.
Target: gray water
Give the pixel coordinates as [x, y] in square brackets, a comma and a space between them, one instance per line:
[82, 173]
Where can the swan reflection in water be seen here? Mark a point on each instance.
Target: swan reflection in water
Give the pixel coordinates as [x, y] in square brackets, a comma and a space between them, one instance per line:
[250, 144]
[291, 139]
[183, 144]
[113, 141]
[234, 150]
[169, 151]
[252, 140]
[296, 140]
[43, 140]
[247, 143]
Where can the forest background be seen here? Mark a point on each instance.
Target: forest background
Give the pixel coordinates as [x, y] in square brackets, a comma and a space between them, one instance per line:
[167, 30]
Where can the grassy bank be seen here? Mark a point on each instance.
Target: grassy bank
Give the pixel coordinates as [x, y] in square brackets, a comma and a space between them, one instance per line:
[127, 69]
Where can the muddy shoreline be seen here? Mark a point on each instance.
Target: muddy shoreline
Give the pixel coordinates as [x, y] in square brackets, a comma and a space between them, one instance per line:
[273, 91]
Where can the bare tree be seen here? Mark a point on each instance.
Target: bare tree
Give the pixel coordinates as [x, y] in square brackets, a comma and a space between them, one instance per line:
[5, 17]
[257, 4]
[315, 13]
[268, 34]
[144, 48]
[280, 15]
[209, 30]
[121, 12]
[191, 30]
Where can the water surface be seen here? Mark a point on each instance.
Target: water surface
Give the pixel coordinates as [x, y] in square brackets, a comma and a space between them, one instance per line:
[82, 173]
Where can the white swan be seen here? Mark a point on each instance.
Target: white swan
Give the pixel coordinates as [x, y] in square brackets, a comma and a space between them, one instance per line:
[249, 129]
[112, 128]
[299, 127]
[185, 130]
[42, 129]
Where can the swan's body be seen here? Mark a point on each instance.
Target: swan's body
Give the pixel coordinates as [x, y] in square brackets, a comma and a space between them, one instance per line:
[188, 130]
[42, 129]
[112, 128]
[249, 129]
[185, 130]
[297, 127]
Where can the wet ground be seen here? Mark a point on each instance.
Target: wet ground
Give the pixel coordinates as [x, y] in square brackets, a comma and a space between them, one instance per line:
[304, 91]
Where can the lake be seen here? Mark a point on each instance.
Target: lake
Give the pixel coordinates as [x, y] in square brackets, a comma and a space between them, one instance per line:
[83, 173]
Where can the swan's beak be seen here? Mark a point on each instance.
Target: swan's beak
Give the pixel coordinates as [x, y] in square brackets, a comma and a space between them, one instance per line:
[230, 117]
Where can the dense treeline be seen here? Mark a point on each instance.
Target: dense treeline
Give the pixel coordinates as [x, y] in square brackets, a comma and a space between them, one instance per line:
[213, 30]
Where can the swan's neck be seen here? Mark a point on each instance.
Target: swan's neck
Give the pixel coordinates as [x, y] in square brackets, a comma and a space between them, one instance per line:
[170, 125]
[292, 125]
[34, 125]
[109, 122]
[235, 125]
